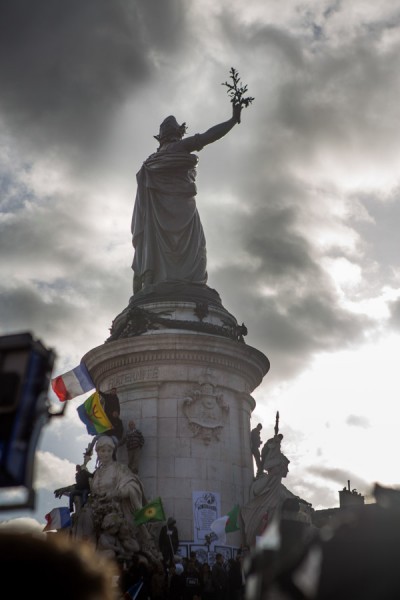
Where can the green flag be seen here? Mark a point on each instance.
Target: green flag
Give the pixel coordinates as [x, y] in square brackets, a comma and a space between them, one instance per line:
[153, 511]
[92, 414]
[232, 522]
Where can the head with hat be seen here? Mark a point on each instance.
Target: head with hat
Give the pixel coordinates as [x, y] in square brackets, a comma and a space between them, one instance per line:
[170, 131]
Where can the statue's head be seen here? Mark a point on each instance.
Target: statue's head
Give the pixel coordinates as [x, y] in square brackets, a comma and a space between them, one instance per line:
[170, 130]
[277, 465]
[105, 441]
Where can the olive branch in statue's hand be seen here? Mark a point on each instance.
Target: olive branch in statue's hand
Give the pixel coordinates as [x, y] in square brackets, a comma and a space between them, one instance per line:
[236, 90]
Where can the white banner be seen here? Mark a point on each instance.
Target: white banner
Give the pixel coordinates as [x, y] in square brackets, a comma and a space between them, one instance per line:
[206, 508]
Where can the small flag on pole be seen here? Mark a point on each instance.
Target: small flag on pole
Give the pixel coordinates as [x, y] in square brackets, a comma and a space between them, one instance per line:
[153, 511]
[92, 414]
[226, 524]
[133, 592]
[73, 383]
[232, 523]
[58, 518]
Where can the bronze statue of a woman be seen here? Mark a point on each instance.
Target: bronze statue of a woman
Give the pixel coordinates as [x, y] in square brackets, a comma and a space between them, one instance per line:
[167, 233]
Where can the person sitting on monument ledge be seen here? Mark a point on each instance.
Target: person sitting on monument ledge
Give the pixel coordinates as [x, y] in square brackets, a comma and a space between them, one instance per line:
[167, 233]
[255, 443]
[112, 409]
[111, 405]
[110, 402]
[168, 541]
[134, 441]
[81, 488]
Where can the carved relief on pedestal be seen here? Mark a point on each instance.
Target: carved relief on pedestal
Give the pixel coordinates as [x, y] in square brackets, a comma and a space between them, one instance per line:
[206, 411]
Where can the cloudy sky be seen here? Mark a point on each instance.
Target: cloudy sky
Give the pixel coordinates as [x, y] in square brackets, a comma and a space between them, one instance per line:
[299, 203]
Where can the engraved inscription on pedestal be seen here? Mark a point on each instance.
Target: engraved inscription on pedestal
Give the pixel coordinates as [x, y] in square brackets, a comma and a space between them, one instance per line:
[134, 376]
[206, 412]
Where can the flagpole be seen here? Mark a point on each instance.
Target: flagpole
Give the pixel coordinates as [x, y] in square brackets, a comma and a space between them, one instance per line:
[169, 534]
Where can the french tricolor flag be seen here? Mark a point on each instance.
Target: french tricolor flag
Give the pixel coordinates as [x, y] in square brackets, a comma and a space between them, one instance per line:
[58, 518]
[73, 383]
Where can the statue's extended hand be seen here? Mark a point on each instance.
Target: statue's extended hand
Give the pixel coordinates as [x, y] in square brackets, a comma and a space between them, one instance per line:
[236, 110]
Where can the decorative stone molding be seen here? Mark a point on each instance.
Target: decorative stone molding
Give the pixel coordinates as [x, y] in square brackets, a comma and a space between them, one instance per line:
[176, 306]
[152, 358]
[206, 412]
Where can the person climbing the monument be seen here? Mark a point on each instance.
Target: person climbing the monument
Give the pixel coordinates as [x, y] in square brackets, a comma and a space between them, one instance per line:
[134, 443]
[255, 443]
[112, 409]
[81, 488]
[167, 234]
[111, 405]
[110, 402]
[168, 541]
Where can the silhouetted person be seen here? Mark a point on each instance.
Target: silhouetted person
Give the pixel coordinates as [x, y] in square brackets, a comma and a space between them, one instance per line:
[134, 443]
[168, 541]
[81, 488]
[220, 577]
[54, 566]
[255, 443]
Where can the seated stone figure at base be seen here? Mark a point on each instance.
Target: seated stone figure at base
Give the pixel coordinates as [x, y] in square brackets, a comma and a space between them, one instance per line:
[114, 490]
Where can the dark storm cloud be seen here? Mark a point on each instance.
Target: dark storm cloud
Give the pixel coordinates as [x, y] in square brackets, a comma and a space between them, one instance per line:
[23, 306]
[50, 280]
[292, 309]
[278, 42]
[320, 496]
[271, 239]
[66, 66]
[324, 103]
[290, 327]
[340, 476]
[321, 493]
[324, 97]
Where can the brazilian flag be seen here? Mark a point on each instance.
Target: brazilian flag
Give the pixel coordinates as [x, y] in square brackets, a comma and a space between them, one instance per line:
[153, 511]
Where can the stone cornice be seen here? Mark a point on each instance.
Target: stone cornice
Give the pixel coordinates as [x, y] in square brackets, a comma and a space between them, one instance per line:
[163, 350]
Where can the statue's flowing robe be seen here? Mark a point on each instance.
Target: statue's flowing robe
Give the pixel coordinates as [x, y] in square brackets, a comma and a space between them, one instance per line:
[167, 233]
[122, 481]
[267, 494]
[117, 479]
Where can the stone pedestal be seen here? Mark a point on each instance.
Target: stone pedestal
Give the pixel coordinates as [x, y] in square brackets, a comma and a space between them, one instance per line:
[187, 383]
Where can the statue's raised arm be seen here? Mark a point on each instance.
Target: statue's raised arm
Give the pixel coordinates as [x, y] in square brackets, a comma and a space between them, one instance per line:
[167, 233]
[198, 141]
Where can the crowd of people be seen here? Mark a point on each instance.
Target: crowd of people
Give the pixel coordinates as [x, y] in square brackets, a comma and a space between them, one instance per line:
[185, 579]
[54, 564]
